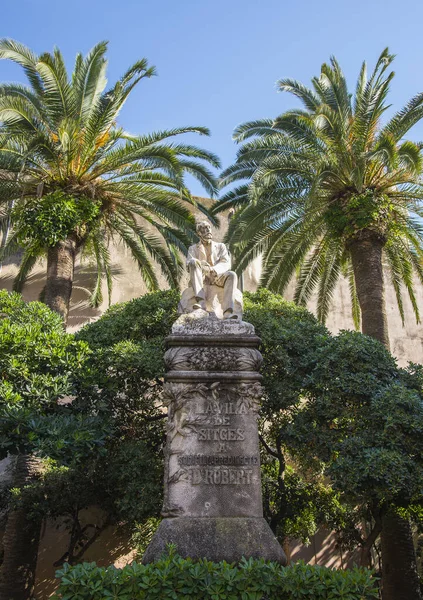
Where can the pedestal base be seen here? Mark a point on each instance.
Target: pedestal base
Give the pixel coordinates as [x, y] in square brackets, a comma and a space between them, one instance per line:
[216, 539]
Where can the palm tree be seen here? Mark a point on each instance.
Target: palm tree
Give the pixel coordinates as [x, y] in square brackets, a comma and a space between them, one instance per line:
[70, 178]
[329, 190]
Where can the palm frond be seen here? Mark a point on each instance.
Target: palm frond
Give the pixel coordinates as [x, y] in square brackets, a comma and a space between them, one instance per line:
[102, 256]
[28, 262]
[139, 254]
[23, 56]
[59, 99]
[202, 174]
[331, 270]
[404, 119]
[89, 80]
[252, 128]
[310, 273]
[236, 198]
[307, 96]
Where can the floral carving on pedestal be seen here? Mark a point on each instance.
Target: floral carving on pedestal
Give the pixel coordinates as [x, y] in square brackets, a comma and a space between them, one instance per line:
[213, 359]
[176, 398]
[251, 394]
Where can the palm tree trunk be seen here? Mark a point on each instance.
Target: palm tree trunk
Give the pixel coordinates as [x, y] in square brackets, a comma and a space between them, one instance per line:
[366, 256]
[20, 540]
[399, 566]
[60, 269]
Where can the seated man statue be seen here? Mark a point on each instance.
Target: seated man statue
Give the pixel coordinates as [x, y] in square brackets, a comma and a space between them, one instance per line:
[209, 264]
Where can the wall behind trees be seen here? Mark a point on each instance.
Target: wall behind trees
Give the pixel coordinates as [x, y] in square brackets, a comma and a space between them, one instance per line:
[406, 341]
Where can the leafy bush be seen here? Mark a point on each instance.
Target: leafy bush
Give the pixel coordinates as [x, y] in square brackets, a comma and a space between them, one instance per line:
[149, 317]
[364, 419]
[290, 338]
[47, 220]
[37, 362]
[183, 579]
[37, 357]
[124, 380]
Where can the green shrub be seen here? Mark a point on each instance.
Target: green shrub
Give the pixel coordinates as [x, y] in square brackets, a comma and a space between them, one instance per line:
[47, 220]
[173, 577]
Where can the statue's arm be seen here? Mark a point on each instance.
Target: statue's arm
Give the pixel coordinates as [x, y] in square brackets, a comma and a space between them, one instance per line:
[190, 256]
[224, 262]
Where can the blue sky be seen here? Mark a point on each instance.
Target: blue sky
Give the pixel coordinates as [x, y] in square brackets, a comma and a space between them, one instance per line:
[218, 61]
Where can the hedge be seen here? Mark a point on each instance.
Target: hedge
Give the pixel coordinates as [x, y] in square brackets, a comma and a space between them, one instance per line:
[175, 578]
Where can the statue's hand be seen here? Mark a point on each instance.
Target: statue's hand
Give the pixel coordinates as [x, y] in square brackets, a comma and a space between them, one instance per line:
[194, 261]
[206, 268]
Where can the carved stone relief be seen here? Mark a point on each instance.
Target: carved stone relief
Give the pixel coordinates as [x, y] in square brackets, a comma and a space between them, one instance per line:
[212, 359]
[209, 440]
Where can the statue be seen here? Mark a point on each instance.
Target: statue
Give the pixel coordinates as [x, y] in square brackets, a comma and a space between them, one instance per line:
[213, 505]
[213, 286]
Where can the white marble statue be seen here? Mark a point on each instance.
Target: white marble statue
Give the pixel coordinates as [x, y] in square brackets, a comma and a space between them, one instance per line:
[213, 286]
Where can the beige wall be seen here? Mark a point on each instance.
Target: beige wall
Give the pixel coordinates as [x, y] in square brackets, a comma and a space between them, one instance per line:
[406, 341]
[111, 547]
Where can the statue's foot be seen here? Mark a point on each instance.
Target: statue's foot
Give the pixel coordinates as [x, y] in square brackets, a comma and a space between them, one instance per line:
[228, 314]
[198, 305]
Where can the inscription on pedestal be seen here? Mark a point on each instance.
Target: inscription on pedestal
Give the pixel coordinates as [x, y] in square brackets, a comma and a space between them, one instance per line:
[203, 459]
[221, 476]
[214, 448]
[221, 434]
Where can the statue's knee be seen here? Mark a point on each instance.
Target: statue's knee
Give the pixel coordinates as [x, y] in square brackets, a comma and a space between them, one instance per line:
[232, 276]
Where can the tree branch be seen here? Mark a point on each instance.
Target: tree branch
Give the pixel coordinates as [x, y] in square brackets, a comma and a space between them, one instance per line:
[269, 450]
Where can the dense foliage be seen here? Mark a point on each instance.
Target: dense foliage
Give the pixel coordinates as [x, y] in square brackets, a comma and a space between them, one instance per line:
[125, 372]
[290, 336]
[363, 423]
[91, 456]
[176, 578]
[38, 422]
[332, 406]
[341, 408]
[46, 221]
[37, 363]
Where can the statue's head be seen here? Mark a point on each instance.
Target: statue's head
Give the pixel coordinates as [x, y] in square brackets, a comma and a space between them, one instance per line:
[204, 231]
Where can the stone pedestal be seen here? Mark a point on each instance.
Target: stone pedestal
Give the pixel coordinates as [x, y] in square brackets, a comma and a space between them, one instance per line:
[213, 503]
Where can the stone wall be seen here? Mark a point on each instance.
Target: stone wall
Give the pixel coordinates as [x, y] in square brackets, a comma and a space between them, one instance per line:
[406, 340]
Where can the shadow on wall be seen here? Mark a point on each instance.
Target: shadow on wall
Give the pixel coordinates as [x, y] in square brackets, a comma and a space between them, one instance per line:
[324, 550]
[80, 312]
[113, 546]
